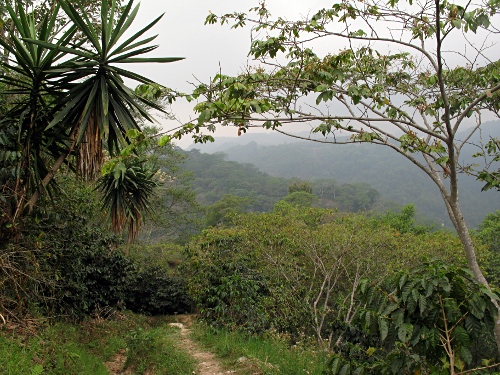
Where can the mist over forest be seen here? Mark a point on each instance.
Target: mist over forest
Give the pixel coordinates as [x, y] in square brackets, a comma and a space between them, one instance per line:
[393, 176]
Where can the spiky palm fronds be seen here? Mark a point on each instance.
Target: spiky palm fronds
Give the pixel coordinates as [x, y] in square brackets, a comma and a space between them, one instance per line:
[69, 97]
[127, 189]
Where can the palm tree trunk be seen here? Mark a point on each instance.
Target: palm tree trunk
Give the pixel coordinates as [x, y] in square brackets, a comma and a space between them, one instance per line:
[50, 175]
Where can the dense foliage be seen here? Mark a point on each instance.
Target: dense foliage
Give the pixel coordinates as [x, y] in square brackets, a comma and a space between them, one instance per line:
[393, 176]
[67, 263]
[425, 320]
[67, 102]
[297, 270]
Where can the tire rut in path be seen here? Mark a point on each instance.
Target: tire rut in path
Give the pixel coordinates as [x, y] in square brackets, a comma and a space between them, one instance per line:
[208, 364]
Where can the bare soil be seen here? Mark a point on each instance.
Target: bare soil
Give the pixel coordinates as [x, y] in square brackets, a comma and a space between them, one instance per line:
[115, 366]
[207, 362]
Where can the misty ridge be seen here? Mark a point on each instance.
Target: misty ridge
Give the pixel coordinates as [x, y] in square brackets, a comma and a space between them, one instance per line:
[397, 180]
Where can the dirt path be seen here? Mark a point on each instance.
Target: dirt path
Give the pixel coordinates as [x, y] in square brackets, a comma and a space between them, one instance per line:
[207, 362]
[115, 366]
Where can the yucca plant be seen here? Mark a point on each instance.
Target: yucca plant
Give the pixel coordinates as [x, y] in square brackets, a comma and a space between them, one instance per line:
[127, 187]
[27, 79]
[69, 95]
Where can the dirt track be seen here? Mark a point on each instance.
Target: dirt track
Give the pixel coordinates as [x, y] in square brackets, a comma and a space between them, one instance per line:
[207, 362]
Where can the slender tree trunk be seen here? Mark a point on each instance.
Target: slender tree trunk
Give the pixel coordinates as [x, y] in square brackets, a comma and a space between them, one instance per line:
[46, 180]
[458, 220]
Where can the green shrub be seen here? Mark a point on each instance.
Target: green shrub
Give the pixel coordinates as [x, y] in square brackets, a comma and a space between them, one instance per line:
[296, 269]
[84, 276]
[166, 255]
[228, 289]
[153, 291]
[426, 320]
[67, 264]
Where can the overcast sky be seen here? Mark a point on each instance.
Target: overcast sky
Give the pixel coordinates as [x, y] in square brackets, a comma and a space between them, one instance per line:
[182, 33]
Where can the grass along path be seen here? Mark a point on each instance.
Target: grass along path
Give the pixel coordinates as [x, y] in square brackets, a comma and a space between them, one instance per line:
[267, 354]
[130, 345]
[206, 362]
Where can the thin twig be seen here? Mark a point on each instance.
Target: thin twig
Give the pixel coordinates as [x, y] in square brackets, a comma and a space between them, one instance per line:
[477, 369]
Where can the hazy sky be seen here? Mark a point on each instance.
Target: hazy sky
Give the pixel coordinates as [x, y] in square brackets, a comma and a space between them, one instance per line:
[182, 33]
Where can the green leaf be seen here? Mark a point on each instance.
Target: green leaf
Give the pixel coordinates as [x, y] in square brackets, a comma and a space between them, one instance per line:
[433, 337]
[57, 47]
[84, 25]
[461, 336]
[204, 116]
[345, 370]
[119, 170]
[457, 23]
[104, 95]
[466, 355]
[164, 140]
[128, 42]
[151, 60]
[489, 293]
[415, 295]
[477, 306]
[335, 365]
[138, 44]
[398, 317]
[321, 88]
[389, 308]
[402, 280]
[422, 305]
[405, 332]
[383, 327]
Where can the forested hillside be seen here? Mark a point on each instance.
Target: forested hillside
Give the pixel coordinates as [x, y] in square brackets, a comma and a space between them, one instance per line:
[215, 177]
[395, 177]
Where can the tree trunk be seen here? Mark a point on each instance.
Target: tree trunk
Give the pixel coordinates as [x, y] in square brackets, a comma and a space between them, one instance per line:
[50, 174]
[46, 180]
[458, 220]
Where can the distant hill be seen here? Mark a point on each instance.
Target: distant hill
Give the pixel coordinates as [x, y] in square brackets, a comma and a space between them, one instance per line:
[215, 177]
[222, 144]
[395, 177]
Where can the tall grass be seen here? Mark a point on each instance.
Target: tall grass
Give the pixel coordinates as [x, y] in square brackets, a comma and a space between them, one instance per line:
[154, 351]
[268, 354]
[16, 358]
[52, 351]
